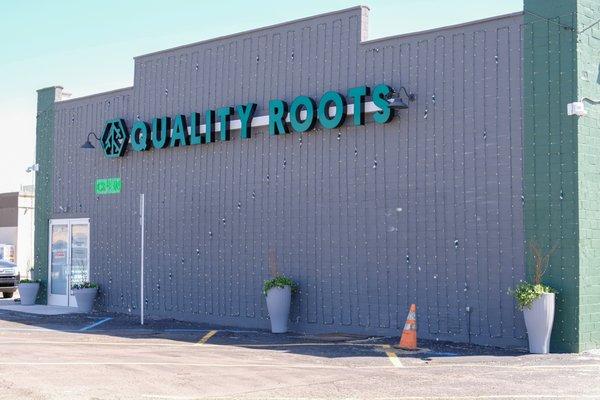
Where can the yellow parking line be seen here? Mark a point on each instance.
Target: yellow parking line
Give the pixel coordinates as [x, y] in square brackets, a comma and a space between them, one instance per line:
[392, 356]
[205, 338]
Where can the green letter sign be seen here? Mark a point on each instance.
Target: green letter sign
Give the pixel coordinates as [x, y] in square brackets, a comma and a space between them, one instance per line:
[300, 116]
[278, 110]
[328, 99]
[309, 105]
[179, 135]
[108, 186]
[140, 136]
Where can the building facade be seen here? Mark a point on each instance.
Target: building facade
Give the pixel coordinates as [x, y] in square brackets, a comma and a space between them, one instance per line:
[432, 205]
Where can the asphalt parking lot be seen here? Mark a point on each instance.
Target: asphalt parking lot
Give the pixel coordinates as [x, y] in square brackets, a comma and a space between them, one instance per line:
[104, 356]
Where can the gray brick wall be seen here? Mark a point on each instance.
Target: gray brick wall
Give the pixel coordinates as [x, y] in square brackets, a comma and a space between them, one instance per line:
[426, 209]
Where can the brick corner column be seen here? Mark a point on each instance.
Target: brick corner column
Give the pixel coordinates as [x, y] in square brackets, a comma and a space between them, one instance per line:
[561, 161]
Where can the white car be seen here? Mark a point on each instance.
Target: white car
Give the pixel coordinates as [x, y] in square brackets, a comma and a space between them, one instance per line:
[9, 278]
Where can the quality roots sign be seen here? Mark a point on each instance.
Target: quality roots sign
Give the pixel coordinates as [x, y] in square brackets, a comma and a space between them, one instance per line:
[299, 116]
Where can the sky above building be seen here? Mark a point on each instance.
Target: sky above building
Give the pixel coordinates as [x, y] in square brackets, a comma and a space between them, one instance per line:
[88, 46]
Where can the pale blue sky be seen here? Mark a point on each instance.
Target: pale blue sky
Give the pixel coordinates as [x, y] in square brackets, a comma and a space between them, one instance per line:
[88, 46]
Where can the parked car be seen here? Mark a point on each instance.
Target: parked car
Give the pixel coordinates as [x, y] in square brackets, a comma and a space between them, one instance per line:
[9, 278]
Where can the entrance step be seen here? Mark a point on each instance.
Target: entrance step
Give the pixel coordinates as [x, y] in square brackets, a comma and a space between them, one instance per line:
[38, 309]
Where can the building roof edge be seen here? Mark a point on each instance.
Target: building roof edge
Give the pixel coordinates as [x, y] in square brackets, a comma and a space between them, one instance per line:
[462, 24]
[360, 7]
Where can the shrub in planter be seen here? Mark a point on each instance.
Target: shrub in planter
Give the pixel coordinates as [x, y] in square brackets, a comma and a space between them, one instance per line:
[279, 291]
[537, 302]
[28, 290]
[85, 293]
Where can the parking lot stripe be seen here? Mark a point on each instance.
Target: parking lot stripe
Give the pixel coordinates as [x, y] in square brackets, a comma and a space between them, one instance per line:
[392, 356]
[95, 324]
[206, 337]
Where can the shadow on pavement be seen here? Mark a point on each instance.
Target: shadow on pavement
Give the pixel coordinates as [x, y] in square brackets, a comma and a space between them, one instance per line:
[332, 345]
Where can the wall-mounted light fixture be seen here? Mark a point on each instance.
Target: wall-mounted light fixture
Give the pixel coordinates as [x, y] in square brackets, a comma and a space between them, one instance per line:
[578, 107]
[396, 101]
[33, 168]
[88, 144]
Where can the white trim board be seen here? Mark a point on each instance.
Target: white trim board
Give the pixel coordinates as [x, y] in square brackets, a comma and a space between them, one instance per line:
[263, 120]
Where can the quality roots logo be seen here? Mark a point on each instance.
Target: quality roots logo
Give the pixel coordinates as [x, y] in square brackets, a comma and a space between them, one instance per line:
[115, 138]
[300, 116]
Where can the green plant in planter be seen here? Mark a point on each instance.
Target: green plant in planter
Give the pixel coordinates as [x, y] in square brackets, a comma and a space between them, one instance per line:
[526, 293]
[84, 285]
[279, 281]
[30, 281]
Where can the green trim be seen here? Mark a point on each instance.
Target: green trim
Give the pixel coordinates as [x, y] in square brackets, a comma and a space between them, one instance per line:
[588, 133]
[550, 160]
[560, 173]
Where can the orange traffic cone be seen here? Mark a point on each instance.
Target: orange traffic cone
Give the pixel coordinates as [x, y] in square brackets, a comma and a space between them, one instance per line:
[408, 341]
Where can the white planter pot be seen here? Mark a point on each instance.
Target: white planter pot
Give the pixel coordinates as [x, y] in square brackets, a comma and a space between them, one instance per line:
[85, 298]
[538, 320]
[28, 293]
[278, 304]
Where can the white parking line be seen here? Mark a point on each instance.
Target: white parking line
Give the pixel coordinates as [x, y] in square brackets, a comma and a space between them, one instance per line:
[87, 328]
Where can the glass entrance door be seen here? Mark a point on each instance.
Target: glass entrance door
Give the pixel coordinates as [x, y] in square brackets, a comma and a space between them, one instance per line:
[69, 255]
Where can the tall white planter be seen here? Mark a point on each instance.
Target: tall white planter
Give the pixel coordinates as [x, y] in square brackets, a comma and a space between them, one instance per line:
[278, 304]
[538, 321]
[85, 298]
[28, 293]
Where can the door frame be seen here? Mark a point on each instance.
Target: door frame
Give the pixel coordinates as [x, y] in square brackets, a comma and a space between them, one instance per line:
[67, 300]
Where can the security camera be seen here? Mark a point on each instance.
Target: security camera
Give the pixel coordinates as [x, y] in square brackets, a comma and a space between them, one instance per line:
[34, 167]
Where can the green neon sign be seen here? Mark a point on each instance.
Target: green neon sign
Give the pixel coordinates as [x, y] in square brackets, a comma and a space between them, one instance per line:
[300, 116]
[108, 186]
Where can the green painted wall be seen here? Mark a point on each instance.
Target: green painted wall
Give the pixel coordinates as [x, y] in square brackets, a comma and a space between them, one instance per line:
[588, 127]
[43, 181]
[560, 181]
